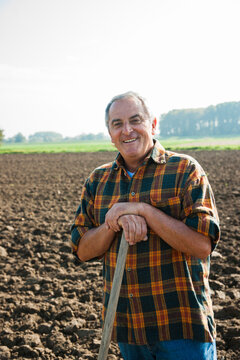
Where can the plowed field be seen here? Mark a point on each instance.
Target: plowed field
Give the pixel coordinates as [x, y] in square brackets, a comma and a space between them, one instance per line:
[50, 306]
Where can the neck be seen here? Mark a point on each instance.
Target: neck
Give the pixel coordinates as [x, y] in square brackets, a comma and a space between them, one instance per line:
[131, 169]
[132, 166]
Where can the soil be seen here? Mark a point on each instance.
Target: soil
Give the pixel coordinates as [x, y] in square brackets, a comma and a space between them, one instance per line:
[50, 305]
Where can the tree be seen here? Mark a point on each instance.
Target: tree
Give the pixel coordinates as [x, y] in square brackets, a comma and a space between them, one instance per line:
[88, 137]
[45, 136]
[1, 136]
[222, 119]
[19, 138]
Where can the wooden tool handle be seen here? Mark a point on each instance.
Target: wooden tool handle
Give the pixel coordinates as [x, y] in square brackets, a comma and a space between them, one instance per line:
[113, 300]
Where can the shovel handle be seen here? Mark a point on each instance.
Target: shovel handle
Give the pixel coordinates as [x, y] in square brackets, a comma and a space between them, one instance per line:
[113, 300]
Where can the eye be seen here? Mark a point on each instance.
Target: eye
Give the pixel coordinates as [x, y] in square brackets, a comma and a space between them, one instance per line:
[136, 121]
[116, 124]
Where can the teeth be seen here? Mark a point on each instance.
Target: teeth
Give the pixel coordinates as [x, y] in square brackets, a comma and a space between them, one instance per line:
[130, 140]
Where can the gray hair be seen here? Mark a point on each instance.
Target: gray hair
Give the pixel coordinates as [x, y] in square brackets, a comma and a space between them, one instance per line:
[127, 95]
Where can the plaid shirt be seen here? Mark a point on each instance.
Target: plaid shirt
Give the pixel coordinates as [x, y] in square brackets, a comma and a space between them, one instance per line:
[165, 294]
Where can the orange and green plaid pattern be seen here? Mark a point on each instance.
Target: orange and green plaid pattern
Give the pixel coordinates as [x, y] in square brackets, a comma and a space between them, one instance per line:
[165, 293]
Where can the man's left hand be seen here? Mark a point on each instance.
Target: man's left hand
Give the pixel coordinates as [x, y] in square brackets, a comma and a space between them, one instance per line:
[119, 209]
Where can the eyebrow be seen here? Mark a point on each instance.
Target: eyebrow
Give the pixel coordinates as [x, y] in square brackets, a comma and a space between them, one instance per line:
[134, 116]
[131, 117]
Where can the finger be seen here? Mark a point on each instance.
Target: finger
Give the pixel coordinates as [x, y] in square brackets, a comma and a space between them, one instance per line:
[112, 226]
[116, 225]
[111, 220]
[129, 231]
[144, 230]
[132, 233]
[126, 231]
[138, 231]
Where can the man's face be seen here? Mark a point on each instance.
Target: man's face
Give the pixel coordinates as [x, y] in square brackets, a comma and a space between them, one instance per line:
[131, 130]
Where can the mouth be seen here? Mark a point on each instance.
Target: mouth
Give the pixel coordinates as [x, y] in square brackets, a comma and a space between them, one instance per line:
[129, 141]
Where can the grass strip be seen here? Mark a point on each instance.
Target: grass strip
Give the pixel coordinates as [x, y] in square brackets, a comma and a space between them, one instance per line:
[175, 144]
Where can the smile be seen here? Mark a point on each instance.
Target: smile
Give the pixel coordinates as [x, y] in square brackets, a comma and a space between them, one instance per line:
[130, 140]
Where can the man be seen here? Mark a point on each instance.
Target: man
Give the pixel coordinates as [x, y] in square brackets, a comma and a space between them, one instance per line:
[165, 206]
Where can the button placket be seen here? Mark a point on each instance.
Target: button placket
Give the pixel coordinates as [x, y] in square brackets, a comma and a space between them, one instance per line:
[129, 276]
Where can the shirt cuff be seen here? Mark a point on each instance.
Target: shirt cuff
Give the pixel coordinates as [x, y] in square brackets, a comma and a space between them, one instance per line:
[206, 225]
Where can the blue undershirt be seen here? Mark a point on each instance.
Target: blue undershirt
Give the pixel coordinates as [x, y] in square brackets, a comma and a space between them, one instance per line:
[130, 173]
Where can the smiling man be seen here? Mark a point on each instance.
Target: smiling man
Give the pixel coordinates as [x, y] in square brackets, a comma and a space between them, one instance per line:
[131, 129]
[164, 204]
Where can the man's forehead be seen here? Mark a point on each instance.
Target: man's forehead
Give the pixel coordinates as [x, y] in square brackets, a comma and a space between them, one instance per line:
[128, 106]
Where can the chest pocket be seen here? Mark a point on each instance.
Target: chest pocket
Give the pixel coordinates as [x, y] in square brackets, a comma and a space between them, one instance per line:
[171, 206]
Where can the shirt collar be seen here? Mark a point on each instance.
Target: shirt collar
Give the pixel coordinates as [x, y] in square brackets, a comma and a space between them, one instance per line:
[158, 155]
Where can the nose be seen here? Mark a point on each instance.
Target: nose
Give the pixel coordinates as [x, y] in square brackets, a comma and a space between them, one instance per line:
[126, 128]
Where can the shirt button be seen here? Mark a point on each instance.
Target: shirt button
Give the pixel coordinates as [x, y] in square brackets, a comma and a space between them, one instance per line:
[131, 295]
[129, 269]
[133, 193]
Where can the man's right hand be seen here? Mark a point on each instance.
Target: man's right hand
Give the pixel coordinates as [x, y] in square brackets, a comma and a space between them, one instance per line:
[134, 227]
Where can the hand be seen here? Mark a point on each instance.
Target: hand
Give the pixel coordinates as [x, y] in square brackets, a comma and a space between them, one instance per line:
[134, 227]
[119, 209]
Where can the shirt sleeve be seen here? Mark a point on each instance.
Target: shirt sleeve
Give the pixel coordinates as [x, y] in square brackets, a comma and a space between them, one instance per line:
[199, 210]
[84, 219]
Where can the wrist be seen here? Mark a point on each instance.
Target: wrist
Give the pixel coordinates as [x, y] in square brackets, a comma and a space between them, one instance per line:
[142, 209]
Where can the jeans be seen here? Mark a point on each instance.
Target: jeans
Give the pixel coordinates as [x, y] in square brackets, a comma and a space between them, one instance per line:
[170, 350]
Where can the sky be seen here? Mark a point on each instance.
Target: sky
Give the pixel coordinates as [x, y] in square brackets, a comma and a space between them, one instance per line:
[61, 61]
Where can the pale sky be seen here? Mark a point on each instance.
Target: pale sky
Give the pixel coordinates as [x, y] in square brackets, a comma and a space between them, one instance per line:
[61, 61]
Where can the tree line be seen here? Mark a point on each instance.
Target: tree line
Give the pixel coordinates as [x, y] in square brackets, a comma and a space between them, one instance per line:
[51, 137]
[220, 120]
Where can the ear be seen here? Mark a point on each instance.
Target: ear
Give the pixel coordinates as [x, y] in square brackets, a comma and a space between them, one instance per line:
[154, 126]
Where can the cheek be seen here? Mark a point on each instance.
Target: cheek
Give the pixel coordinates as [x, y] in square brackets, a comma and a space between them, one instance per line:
[114, 137]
